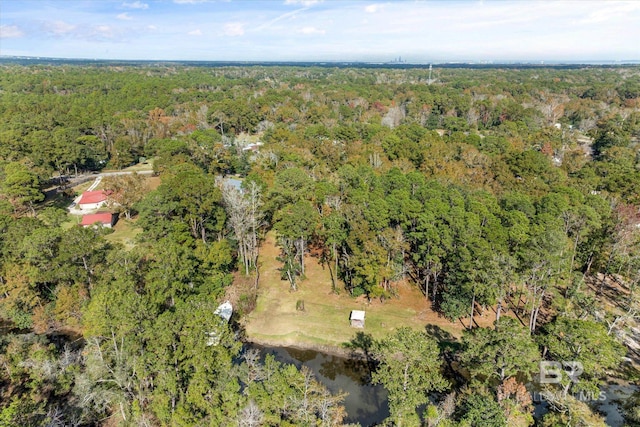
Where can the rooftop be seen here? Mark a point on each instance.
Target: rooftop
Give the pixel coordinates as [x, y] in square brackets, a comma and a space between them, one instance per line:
[225, 310]
[93, 197]
[357, 315]
[101, 217]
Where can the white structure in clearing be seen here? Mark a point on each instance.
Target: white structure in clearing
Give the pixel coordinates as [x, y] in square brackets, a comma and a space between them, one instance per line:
[225, 311]
[92, 200]
[357, 318]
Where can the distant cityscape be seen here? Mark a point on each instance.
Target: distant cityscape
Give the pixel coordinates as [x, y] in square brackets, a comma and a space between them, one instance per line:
[396, 62]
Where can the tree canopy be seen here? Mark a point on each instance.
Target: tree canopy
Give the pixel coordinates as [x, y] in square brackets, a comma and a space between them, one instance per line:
[510, 191]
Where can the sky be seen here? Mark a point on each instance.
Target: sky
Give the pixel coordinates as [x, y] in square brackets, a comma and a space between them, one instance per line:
[317, 30]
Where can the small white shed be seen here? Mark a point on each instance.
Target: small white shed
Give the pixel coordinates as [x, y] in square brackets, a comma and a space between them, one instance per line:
[357, 319]
[225, 311]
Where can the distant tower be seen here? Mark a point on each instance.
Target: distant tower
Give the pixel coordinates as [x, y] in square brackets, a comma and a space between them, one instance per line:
[430, 68]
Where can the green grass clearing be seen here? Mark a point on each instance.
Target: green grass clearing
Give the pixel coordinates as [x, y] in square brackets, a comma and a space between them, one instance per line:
[325, 320]
[124, 232]
[72, 221]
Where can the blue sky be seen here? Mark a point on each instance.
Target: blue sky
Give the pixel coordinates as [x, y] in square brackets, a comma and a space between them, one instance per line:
[329, 30]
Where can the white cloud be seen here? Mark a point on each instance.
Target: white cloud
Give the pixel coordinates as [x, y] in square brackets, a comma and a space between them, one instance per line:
[311, 30]
[101, 32]
[59, 28]
[136, 5]
[190, 1]
[306, 3]
[234, 29]
[195, 32]
[10, 32]
[86, 32]
[278, 18]
[612, 11]
[307, 29]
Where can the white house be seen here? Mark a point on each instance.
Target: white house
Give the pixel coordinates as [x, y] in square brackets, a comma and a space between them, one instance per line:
[92, 200]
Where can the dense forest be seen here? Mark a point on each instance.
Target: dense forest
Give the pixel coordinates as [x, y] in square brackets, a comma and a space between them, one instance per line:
[516, 189]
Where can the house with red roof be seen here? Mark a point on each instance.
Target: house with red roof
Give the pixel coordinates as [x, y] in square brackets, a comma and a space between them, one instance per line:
[91, 200]
[106, 219]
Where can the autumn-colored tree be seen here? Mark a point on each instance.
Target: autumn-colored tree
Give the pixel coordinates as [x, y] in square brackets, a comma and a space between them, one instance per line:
[124, 191]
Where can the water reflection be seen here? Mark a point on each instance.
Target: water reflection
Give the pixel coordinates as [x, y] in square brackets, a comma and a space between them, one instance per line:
[366, 404]
[615, 395]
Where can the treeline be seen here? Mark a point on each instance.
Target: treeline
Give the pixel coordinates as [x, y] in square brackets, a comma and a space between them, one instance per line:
[81, 117]
[510, 189]
[463, 247]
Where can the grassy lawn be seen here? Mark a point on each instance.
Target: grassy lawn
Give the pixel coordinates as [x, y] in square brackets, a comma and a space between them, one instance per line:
[325, 320]
[125, 232]
[72, 221]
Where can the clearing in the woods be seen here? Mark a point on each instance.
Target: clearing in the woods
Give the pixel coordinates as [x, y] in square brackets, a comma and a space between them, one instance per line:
[325, 319]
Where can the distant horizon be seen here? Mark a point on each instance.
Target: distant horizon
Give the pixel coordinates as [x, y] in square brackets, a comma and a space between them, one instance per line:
[533, 62]
[469, 31]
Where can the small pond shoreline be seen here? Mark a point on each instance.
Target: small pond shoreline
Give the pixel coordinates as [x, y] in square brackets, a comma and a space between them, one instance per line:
[330, 350]
[340, 371]
[616, 388]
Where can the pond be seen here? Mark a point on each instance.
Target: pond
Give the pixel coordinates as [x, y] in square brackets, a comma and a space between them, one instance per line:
[607, 403]
[367, 404]
[615, 394]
